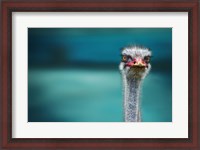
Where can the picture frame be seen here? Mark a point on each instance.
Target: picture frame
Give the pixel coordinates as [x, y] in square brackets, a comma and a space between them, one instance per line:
[190, 6]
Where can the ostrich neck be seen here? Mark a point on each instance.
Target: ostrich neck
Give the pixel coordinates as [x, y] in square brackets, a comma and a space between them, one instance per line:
[132, 99]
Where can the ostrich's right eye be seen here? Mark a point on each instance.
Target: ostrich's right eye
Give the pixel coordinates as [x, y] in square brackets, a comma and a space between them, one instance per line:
[124, 58]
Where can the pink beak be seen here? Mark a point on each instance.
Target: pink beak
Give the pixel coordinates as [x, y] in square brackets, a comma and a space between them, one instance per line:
[137, 62]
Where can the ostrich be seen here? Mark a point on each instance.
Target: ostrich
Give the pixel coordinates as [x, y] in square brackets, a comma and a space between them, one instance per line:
[134, 67]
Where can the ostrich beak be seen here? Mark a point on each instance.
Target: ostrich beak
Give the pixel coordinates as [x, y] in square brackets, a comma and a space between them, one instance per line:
[137, 62]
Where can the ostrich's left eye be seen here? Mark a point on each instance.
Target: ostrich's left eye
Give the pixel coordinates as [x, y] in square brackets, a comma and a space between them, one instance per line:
[147, 59]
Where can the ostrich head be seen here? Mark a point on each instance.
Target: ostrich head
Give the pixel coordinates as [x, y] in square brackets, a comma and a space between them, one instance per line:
[135, 63]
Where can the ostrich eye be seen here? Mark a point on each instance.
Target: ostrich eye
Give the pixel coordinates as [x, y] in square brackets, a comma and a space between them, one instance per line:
[124, 58]
[147, 59]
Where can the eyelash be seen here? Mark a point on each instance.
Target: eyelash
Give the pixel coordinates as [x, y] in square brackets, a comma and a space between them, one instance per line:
[126, 58]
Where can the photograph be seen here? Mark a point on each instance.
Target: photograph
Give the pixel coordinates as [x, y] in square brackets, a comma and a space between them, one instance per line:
[100, 75]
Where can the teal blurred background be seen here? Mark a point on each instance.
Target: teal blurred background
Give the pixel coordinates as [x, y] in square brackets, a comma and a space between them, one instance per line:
[73, 74]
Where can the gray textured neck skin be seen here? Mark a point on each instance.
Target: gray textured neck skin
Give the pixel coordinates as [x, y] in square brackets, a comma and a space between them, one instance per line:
[132, 99]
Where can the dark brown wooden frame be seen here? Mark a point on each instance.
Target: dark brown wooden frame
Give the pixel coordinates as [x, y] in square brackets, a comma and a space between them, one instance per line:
[9, 6]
